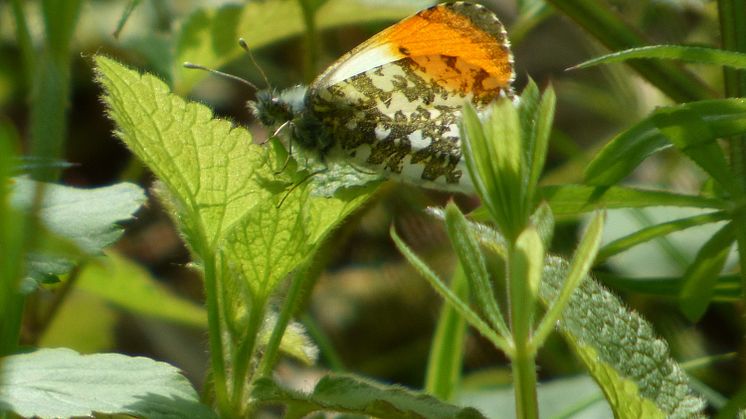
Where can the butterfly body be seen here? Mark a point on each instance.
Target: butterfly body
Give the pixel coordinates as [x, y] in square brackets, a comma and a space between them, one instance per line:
[392, 104]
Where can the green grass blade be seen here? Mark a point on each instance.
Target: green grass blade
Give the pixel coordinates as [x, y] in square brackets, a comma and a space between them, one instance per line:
[576, 199]
[692, 54]
[606, 26]
[621, 155]
[131, 6]
[445, 361]
[701, 276]
[50, 97]
[649, 233]
[727, 287]
[732, 14]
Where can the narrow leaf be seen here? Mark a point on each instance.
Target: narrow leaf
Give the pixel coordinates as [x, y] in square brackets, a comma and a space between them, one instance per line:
[605, 25]
[540, 139]
[445, 362]
[577, 199]
[621, 155]
[692, 54]
[692, 136]
[579, 269]
[701, 276]
[649, 233]
[450, 298]
[470, 255]
[727, 287]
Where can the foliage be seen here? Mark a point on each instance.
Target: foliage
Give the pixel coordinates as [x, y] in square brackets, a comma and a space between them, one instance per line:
[261, 223]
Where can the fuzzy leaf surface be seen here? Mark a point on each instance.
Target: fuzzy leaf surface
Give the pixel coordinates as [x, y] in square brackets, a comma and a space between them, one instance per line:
[53, 383]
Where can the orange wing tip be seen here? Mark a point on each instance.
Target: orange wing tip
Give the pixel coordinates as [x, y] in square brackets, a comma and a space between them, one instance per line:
[467, 31]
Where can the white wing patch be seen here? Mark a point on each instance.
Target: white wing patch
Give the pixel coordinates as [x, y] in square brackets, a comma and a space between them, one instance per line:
[356, 62]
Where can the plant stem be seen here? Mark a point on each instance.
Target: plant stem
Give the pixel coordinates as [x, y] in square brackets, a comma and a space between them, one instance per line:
[215, 335]
[326, 348]
[523, 360]
[447, 350]
[524, 382]
[732, 15]
[293, 298]
[244, 353]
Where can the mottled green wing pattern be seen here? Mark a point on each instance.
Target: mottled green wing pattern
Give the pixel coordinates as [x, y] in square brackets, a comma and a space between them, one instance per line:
[397, 118]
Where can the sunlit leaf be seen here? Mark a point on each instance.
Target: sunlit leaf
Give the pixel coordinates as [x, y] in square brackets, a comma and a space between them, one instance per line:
[53, 383]
[692, 54]
[351, 394]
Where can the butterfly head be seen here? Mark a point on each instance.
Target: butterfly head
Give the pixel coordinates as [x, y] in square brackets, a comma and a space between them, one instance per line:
[272, 108]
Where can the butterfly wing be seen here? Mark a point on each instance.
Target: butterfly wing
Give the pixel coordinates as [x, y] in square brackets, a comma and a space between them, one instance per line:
[465, 30]
[394, 102]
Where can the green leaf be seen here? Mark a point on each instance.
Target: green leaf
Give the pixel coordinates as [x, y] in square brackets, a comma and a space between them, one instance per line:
[52, 383]
[701, 276]
[445, 362]
[621, 155]
[86, 218]
[579, 269]
[672, 52]
[645, 382]
[577, 199]
[131, 287]
[649, 233]
[539, 139]
[208, 165]
[494, 157]
[692, 136]
[727, 287]
[349, 394]
[210, 36]
[607, 26]
[470, 254]
[60, 18]
[271, 240]
[458, 304]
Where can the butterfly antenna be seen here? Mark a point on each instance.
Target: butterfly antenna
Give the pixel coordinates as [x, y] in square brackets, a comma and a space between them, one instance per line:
[220, 73]
[245, 46]
[294, 187]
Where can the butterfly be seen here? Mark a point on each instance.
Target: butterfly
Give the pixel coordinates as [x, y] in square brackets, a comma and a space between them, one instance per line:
[392, 105]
